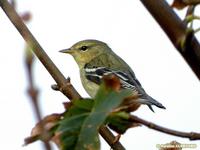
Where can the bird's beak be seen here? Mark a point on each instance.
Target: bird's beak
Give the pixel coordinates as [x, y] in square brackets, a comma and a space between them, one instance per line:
[69, 51]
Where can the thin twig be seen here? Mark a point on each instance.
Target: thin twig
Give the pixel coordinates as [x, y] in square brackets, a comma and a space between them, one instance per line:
[176, 30]
[32, 90]
[65, 87]
[33, 93]
[190, 11]
[191, 2]
[111, 140]
[190, 135]
[38, 50]
[197, 30]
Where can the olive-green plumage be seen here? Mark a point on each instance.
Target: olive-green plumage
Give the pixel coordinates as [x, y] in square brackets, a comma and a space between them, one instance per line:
[96, 59]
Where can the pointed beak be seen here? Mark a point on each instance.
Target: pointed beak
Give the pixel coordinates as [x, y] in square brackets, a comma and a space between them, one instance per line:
[69, 51]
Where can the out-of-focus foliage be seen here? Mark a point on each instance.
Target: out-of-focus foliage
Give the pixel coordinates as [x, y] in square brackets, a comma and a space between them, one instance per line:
[77, 128]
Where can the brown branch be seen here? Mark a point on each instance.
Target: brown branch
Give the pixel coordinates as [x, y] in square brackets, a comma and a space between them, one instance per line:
[38, 51]
[191, 2]
[65, 86]
[190, 135]
[33, 94]
[32, 90]
[111, 140]
[190, 11]
[176, 30]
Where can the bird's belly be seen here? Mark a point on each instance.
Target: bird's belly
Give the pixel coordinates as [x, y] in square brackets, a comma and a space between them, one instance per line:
[90, 87]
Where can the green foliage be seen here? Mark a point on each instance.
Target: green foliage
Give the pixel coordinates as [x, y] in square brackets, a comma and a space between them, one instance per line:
[119, 122]
[79, 128]
[70, 126]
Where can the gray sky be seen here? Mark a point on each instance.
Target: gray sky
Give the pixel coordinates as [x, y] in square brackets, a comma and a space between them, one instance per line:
[131, 32]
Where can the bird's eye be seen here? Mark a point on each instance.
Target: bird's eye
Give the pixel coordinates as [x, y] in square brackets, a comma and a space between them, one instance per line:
[84, 48]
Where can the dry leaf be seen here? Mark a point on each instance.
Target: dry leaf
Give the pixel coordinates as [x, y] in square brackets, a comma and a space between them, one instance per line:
[41, 129]
[112, 81]
[179, 4]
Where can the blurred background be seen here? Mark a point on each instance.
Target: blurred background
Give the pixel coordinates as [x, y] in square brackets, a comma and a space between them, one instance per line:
[131, 32]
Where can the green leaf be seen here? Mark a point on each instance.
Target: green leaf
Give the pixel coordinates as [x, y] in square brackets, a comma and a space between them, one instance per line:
[105, 101]
[70, 129]
[119, 122]
[79, 107]
[79, 128]
[71, 124]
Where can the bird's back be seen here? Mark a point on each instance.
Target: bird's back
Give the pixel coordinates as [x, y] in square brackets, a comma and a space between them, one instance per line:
[106, 64]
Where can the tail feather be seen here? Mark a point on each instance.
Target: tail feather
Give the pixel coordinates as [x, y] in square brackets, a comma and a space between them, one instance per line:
[151, 108]
[149, 101]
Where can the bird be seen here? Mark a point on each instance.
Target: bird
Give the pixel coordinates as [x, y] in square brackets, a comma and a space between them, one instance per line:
[95, 60]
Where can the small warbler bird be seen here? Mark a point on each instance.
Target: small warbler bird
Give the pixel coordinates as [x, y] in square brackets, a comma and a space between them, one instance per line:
[95, 59]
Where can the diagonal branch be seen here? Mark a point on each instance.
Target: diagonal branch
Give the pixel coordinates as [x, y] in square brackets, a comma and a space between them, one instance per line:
[64, 85]
[38, 50]
[190, 135]
[177, 31]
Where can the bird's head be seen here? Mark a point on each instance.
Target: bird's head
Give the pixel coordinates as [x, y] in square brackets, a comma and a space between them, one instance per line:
[86, 50]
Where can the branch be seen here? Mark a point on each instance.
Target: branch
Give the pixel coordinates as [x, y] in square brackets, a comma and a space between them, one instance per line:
[68, 90]
[32, 90]
[176, 30]
[33, 94]
[111, 140]
[64, 85]
[191, 2]
[190, 135]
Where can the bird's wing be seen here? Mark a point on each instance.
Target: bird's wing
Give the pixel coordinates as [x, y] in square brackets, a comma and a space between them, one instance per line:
[112, 64]
[95, 75]
[95, 70]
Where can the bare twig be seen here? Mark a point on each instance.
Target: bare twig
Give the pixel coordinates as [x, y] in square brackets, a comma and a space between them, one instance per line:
[176, 30]
[65, 86]
[32, 90]
[33, 93]
[190, 135]
[191, 2]
[111, 140]
[190, 11]
[189, 16]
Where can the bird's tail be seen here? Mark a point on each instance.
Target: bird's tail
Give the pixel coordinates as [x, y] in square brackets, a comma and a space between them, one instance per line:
[149, 101]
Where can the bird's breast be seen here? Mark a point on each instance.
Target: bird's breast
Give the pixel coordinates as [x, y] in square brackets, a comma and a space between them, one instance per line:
[90, 87]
